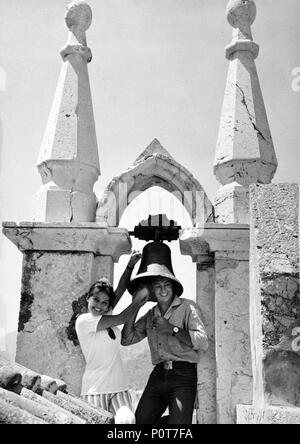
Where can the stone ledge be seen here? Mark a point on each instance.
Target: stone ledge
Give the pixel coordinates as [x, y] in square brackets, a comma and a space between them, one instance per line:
[84, 237]
[69, 225]
[214, 238]
[247, 414]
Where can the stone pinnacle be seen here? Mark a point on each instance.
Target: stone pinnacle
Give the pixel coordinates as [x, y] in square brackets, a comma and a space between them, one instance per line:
[78, 15]
[245, 152]
[69, 159]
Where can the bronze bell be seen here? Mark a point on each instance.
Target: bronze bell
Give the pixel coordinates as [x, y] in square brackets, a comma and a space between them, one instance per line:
[156, 261]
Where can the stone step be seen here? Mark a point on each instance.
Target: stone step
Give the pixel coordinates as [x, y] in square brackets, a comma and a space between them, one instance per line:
[63, 415]
[81, 409]
[107, 416]
[10, 414]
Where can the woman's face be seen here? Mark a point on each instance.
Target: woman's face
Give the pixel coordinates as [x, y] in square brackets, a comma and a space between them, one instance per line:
[98, 303]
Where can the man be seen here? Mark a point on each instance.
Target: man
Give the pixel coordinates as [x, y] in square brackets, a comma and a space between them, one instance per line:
[176, 336]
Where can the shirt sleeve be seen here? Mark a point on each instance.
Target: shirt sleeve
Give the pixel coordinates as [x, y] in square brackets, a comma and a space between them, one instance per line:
[196, 328]
[138, 334]
[87, 325]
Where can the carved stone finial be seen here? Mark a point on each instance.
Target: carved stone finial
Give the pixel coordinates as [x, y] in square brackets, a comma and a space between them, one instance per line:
[245, 152]
[69, 159]
[79, 15]
[241, 13]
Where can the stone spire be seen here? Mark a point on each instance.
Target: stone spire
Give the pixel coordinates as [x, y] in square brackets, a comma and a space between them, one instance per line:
[245, 153]
[68, 162]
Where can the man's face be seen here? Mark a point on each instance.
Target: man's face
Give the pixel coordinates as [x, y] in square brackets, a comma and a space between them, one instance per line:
[163, 290]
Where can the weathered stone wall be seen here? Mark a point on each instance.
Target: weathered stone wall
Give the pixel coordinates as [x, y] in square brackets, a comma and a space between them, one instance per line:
[275, 292]
[52, 283]
[267, 415]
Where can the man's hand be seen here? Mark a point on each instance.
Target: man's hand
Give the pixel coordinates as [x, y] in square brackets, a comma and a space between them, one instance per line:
[135, 257]
[162, 325]
[141, 296]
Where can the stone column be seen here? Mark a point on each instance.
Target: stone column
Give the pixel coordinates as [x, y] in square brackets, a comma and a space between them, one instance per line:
[69, 162]
[245, 153]
[275, 306]
[205, 281]
[232, 360]
[60, 263]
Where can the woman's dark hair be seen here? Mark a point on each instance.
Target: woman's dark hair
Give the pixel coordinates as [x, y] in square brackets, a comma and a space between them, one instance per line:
[105, 286]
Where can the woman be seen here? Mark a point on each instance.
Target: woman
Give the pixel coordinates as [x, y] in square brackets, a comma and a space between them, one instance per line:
[104, 382]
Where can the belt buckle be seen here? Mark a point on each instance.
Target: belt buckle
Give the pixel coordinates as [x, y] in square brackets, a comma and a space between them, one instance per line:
[168, 365]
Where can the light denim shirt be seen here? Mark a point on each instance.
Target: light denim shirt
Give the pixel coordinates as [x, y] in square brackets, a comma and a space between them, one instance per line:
[182, 313]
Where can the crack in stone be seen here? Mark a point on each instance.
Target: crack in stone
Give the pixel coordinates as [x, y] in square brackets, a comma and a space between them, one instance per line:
[249, 114]
[25, 235]
[71, 204]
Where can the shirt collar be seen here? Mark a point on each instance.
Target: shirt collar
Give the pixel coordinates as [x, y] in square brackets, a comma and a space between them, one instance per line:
[175, 303]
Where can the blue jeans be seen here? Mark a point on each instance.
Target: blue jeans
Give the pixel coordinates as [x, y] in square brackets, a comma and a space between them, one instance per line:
[175, 389]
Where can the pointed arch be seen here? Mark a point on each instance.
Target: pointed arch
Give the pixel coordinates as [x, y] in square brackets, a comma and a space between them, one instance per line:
[154, 167]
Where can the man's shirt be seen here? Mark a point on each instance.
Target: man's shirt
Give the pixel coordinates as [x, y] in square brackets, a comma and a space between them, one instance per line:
[182, 313]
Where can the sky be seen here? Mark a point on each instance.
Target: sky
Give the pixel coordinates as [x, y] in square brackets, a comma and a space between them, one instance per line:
[158, 71]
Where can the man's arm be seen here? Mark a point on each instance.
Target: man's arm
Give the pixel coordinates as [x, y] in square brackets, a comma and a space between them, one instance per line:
[196, 329]
[125, 278]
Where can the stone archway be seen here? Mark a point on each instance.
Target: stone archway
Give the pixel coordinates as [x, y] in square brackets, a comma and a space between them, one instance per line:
[154, 167]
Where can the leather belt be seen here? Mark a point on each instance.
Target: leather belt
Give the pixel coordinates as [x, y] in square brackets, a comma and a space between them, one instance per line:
[170, 365]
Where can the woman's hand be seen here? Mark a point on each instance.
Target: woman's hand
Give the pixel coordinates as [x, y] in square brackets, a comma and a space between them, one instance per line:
[135, 257]
[141, 296]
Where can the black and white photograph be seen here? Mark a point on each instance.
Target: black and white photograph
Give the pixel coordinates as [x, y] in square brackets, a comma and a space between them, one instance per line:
[149, 207]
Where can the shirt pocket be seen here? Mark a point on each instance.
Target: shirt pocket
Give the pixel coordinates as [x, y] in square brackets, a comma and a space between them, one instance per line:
[175, 345]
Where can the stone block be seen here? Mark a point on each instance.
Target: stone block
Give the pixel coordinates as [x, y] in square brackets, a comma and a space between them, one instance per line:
[231, 204]
[53, 204]
[267, 415]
